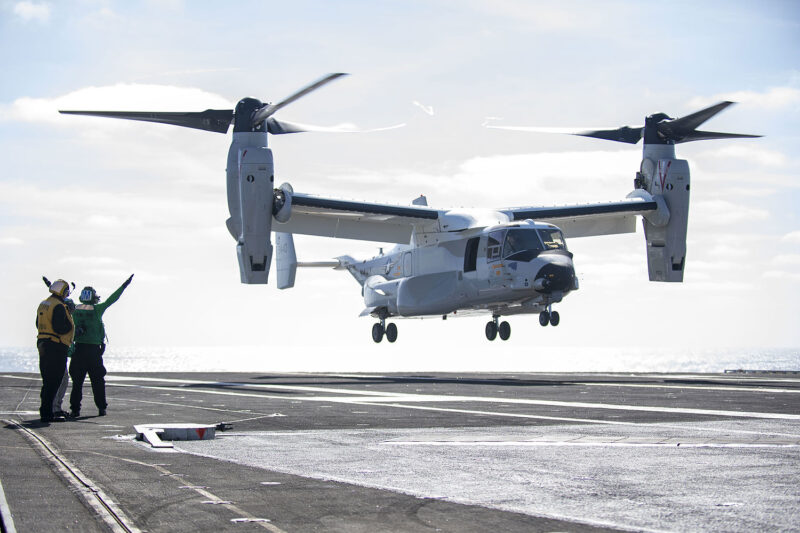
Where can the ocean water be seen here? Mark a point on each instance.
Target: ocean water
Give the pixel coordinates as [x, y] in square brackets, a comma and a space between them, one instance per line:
[394, 359]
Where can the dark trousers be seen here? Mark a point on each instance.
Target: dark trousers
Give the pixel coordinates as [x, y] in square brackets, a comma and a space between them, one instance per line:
[87, 358]
[52, 362]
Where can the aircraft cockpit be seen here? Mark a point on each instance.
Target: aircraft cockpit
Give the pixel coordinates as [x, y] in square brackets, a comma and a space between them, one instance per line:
[523, 244]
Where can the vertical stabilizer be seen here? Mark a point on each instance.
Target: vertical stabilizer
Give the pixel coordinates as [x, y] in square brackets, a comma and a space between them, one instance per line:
[286, 260]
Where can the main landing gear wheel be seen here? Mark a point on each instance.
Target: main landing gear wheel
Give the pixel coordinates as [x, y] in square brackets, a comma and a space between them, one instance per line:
[504, 329]
[555, 318]
[377, 332]
[391, 332]
[491, 330]
[544, 318]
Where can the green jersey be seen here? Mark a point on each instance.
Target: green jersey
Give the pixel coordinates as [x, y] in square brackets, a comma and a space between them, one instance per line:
[89, 319]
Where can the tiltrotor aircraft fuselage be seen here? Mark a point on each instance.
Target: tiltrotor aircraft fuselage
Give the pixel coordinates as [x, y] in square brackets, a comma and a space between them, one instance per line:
[446, 262]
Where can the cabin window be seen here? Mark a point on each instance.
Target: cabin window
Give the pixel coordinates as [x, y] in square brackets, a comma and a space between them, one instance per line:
[471, 254]
[494, 245]
[553, 239]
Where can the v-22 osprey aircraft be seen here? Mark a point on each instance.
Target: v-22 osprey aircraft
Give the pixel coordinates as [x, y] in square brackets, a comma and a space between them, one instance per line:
[446, 262]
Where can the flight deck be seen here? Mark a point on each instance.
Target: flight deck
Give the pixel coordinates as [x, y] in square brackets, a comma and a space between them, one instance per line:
[410, 452]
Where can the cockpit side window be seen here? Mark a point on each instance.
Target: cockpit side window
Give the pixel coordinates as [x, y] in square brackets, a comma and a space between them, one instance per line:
[553, 239]
[494, 245]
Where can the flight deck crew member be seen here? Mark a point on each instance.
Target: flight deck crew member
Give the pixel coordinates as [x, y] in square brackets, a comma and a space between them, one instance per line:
[89, 348]
[62, 388]
[55, 334]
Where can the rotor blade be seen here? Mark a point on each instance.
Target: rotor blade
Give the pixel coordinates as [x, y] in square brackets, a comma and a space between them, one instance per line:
[278, 127]
[217, 120]
[691, 122]
[269, 109]
[706, 135]
[624, 134]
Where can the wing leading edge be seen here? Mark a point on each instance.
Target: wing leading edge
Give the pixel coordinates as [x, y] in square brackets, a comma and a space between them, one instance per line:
[347, 219]
[589, 219]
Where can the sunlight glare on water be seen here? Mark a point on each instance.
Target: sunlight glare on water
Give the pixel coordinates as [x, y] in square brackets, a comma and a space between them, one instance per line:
[313, 359]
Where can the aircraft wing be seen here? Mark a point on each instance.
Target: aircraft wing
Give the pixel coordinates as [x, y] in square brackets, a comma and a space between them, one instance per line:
[589, 219]
[347, 219]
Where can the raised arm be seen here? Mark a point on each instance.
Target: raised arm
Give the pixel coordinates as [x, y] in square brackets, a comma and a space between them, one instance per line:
[102, 306]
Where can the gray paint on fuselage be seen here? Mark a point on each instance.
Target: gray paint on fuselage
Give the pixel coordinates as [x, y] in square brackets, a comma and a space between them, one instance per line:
[438, 284]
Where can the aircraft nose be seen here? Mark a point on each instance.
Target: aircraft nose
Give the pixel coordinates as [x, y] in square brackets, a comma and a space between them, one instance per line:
[555, 277]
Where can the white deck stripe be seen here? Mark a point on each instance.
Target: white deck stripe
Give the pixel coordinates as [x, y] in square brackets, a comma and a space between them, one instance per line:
[754, 388]
[5, 513]
[358, 397]
[375, 396]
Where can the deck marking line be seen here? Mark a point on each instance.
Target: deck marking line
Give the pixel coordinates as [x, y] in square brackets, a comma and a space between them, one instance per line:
[105, 509]
[395, 397]
[202, 492]
[6, 520]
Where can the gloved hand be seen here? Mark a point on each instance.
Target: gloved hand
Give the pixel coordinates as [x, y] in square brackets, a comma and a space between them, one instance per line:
[46, 281]
[128, 281]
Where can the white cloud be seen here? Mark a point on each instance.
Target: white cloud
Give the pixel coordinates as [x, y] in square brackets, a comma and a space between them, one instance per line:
[749, 154]
[722, 212]
[792, 237]
[782, 275]
[39, 12]
[772, 99]
[548, 17]
[10, 241]
[89, 260]
[788, 260]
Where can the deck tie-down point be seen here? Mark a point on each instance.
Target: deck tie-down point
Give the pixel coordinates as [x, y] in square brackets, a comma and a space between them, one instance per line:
[156, 434]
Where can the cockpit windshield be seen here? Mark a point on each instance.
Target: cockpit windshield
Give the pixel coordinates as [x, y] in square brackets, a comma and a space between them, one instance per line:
[521, 244]
[525, 244]
[553, 239]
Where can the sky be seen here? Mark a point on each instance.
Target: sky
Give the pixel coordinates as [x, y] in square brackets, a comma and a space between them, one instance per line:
[93, 200]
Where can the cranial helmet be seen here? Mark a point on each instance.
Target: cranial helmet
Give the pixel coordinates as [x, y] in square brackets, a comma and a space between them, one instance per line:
[60, 288]
[89, 296]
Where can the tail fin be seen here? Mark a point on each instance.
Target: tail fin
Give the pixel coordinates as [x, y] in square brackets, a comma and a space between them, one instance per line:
[349, 263]
[286, 260]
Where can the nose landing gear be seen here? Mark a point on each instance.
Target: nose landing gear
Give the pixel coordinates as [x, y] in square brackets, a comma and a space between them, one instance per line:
[493, 328]
[381, 328]
[549, 317]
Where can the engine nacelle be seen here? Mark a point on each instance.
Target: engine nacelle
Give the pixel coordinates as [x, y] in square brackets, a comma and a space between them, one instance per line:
[668, 181]
[255, 203]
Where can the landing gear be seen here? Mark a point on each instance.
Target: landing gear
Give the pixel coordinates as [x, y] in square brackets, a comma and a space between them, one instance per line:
[504, 329]
[381, 328]
[377, 332]
[549, 317]
[391, 332]
[493, 328]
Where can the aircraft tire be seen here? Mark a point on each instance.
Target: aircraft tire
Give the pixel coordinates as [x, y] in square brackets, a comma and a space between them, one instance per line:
[555, 318]
[491, 330]
[544, 318]
[504, 330]
[391, 332]
[377, 332]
